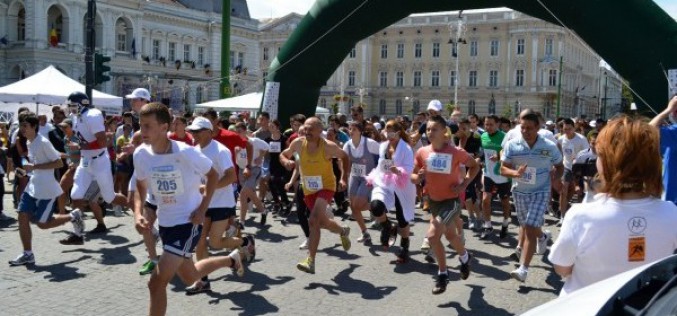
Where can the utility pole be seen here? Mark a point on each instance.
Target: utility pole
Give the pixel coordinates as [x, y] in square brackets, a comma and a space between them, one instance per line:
[224, 90]
[458, 30]
[89, 49]
[559, 85]
[606, 82]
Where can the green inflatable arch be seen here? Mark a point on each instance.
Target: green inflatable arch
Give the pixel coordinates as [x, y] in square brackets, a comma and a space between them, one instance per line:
[636, 37]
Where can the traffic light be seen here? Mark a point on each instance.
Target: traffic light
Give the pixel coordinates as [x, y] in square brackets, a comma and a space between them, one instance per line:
[100, 68]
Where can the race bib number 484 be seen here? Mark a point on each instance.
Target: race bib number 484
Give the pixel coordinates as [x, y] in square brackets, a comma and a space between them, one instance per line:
[439, 163]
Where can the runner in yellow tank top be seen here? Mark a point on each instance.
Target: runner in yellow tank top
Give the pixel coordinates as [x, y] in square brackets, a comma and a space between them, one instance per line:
[319, 184]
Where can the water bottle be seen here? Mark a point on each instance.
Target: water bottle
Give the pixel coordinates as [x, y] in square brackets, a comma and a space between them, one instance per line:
[25, 162]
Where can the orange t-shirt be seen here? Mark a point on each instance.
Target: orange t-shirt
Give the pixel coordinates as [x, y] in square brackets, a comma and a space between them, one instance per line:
[442, 170]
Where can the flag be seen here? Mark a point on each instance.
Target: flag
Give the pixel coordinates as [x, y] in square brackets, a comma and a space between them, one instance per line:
[4, 40]
[53, 37]
[134, 47]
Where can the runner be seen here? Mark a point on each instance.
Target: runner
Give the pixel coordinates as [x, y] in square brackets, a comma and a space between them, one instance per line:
[179, 130]
[440, 163]
[37, 201]
[89, 129]
[570, 143]
[221, 212]
[319, 184]
[469, 140]
[248, 181]
[392, 188]
[494, 182]
[171, 171]
[529, 160]
[278, 174]
[363, 153]
[263, 133]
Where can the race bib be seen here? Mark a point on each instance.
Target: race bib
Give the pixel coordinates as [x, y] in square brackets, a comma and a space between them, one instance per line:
[358, 170]
[241, 158]
[386, 164]
[439, 163]
[167, 183]
[313, 183]
[529, 176]
[275, 147]
[85, 161]
[491, 165]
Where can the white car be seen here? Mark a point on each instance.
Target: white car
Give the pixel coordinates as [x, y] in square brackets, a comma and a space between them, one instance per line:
[647, 290]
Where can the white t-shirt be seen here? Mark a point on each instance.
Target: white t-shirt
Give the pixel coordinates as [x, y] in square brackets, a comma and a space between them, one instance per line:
[517, 132]
[258, 145]
[132, 188]
[609, 236]
[42, 185]
[45, 129]
[372, 146]
[86, 126]
[571, 148]
[221, 158]
[174, 179]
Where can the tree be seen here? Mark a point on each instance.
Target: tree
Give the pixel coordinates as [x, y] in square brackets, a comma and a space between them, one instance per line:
[507, 111]
[627, 99]
[450, 107]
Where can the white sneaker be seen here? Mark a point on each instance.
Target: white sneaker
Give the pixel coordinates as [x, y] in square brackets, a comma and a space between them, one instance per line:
[542, 243]
[78, 223]
[237, 267]
[365, 237]
[304, 245]
[471, 224]
[519, 275]
[426, 245]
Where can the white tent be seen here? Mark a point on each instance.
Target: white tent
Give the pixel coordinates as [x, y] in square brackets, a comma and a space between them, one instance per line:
[52, 87]
[247, 102]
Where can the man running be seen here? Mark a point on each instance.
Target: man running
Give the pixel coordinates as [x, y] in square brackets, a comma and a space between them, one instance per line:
[172, 172]
[529, 159]
[319, 184]
[570, 143]
[494, 182]
[440, 163]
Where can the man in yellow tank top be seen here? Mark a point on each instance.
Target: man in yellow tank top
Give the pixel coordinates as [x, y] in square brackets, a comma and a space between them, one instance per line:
[319, 184]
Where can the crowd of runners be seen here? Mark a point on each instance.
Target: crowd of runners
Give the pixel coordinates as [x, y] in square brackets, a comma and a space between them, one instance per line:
[190, 181]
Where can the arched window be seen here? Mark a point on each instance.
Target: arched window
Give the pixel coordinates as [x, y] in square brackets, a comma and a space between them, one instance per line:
[57, 25]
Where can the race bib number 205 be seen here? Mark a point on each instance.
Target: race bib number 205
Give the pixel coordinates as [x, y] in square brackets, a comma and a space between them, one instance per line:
[167, 183]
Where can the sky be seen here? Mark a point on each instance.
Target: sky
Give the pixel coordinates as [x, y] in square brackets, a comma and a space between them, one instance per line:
[262, 9]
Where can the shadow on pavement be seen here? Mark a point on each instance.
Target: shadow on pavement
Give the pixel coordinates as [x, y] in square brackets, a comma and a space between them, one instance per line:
[346, 284]
[477, 305]
[10, 221]
[259, 281]
[412, 265]
[112, 256]
[247, 303]
[266, 235]
[60, 272]
[338, 252]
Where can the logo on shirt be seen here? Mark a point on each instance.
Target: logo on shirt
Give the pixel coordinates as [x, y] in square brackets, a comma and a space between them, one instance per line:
[637, 225]
[545, 153]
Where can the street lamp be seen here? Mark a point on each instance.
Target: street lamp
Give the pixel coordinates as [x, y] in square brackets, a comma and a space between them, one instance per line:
[457, 30]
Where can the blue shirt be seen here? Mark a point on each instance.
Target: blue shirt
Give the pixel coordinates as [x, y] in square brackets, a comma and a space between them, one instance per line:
[539, 160]
[669, 153]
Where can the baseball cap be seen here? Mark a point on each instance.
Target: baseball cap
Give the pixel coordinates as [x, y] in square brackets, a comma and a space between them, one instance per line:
[549, 123]
[139, 93]
[200, 123]
[435, 105]
[593, 123]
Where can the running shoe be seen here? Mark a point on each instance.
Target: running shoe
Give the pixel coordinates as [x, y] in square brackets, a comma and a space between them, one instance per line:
[486, 233]
[542, 244]
[429, 256]
[441, 281]
[426, 245]
[519, 275]
[307, 265]
[22, 259]
[465, 267]
[199, 287]
[147, 267]
[345, 238]
[237, 266]
[364, 238]
[516, 255]
[250, 250]
[99, 229]
[504, 231]
[304, 245]
[72, 239]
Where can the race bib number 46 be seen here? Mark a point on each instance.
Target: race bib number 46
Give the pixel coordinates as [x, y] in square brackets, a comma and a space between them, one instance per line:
[313, 183]
[439, 163]
[166, 183]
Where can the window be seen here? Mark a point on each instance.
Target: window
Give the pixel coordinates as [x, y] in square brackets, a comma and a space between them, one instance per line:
[494, 48]
[121, 42]
[351, 78]
[156, 49]
[548, 47]
[435, 78]
[353, 53]
[399, 79]
[472, 78]
[171, 52]
[21, 25]
[186, 52]
[493, 78]
[418, 47]
[398, 107]
[519, 77]
[383, 79]
[400, 50]
[323, 103]
[492, 106]
[473, 48]
[552, 77]
[240, 59]
[265, 53]
[198, 95]
[384, 51]
[452, 78]
[520, 46]
[232, 59]
[200, 55]
[416, 107]
[436, 50]
[471, 107]
[417, 78]
[381, 106]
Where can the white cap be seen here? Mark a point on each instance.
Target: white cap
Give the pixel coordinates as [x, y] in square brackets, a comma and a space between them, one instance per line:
[549, 123]
[435, 105]
[377, 126]
[200, 123]
[593, 123]
[139, 93]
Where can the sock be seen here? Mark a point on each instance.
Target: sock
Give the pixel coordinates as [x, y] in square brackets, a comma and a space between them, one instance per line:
[464, 258]
[28, 252]
[245, 242]
[205, 279]
[404, 243]
[518, 248]
[506, 221]
[442, 272]
[524, 268]
[487, 224]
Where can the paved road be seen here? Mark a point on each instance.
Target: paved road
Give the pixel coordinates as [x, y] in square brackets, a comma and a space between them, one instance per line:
[101, 278]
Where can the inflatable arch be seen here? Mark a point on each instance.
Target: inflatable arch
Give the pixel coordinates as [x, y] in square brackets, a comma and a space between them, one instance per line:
[636, 37]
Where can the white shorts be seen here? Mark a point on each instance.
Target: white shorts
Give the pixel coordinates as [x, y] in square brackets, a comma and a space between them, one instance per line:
[99, 170]
[388, 198]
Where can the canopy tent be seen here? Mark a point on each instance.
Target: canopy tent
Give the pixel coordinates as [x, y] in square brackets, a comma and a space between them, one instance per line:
[247, 102]
[50, 86]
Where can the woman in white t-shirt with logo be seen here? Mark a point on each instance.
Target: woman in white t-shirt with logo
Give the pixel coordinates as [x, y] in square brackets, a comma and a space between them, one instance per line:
[627, 225]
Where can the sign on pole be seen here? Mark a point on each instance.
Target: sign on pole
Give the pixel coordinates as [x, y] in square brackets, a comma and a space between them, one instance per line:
[672, 81]
[271, 98]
